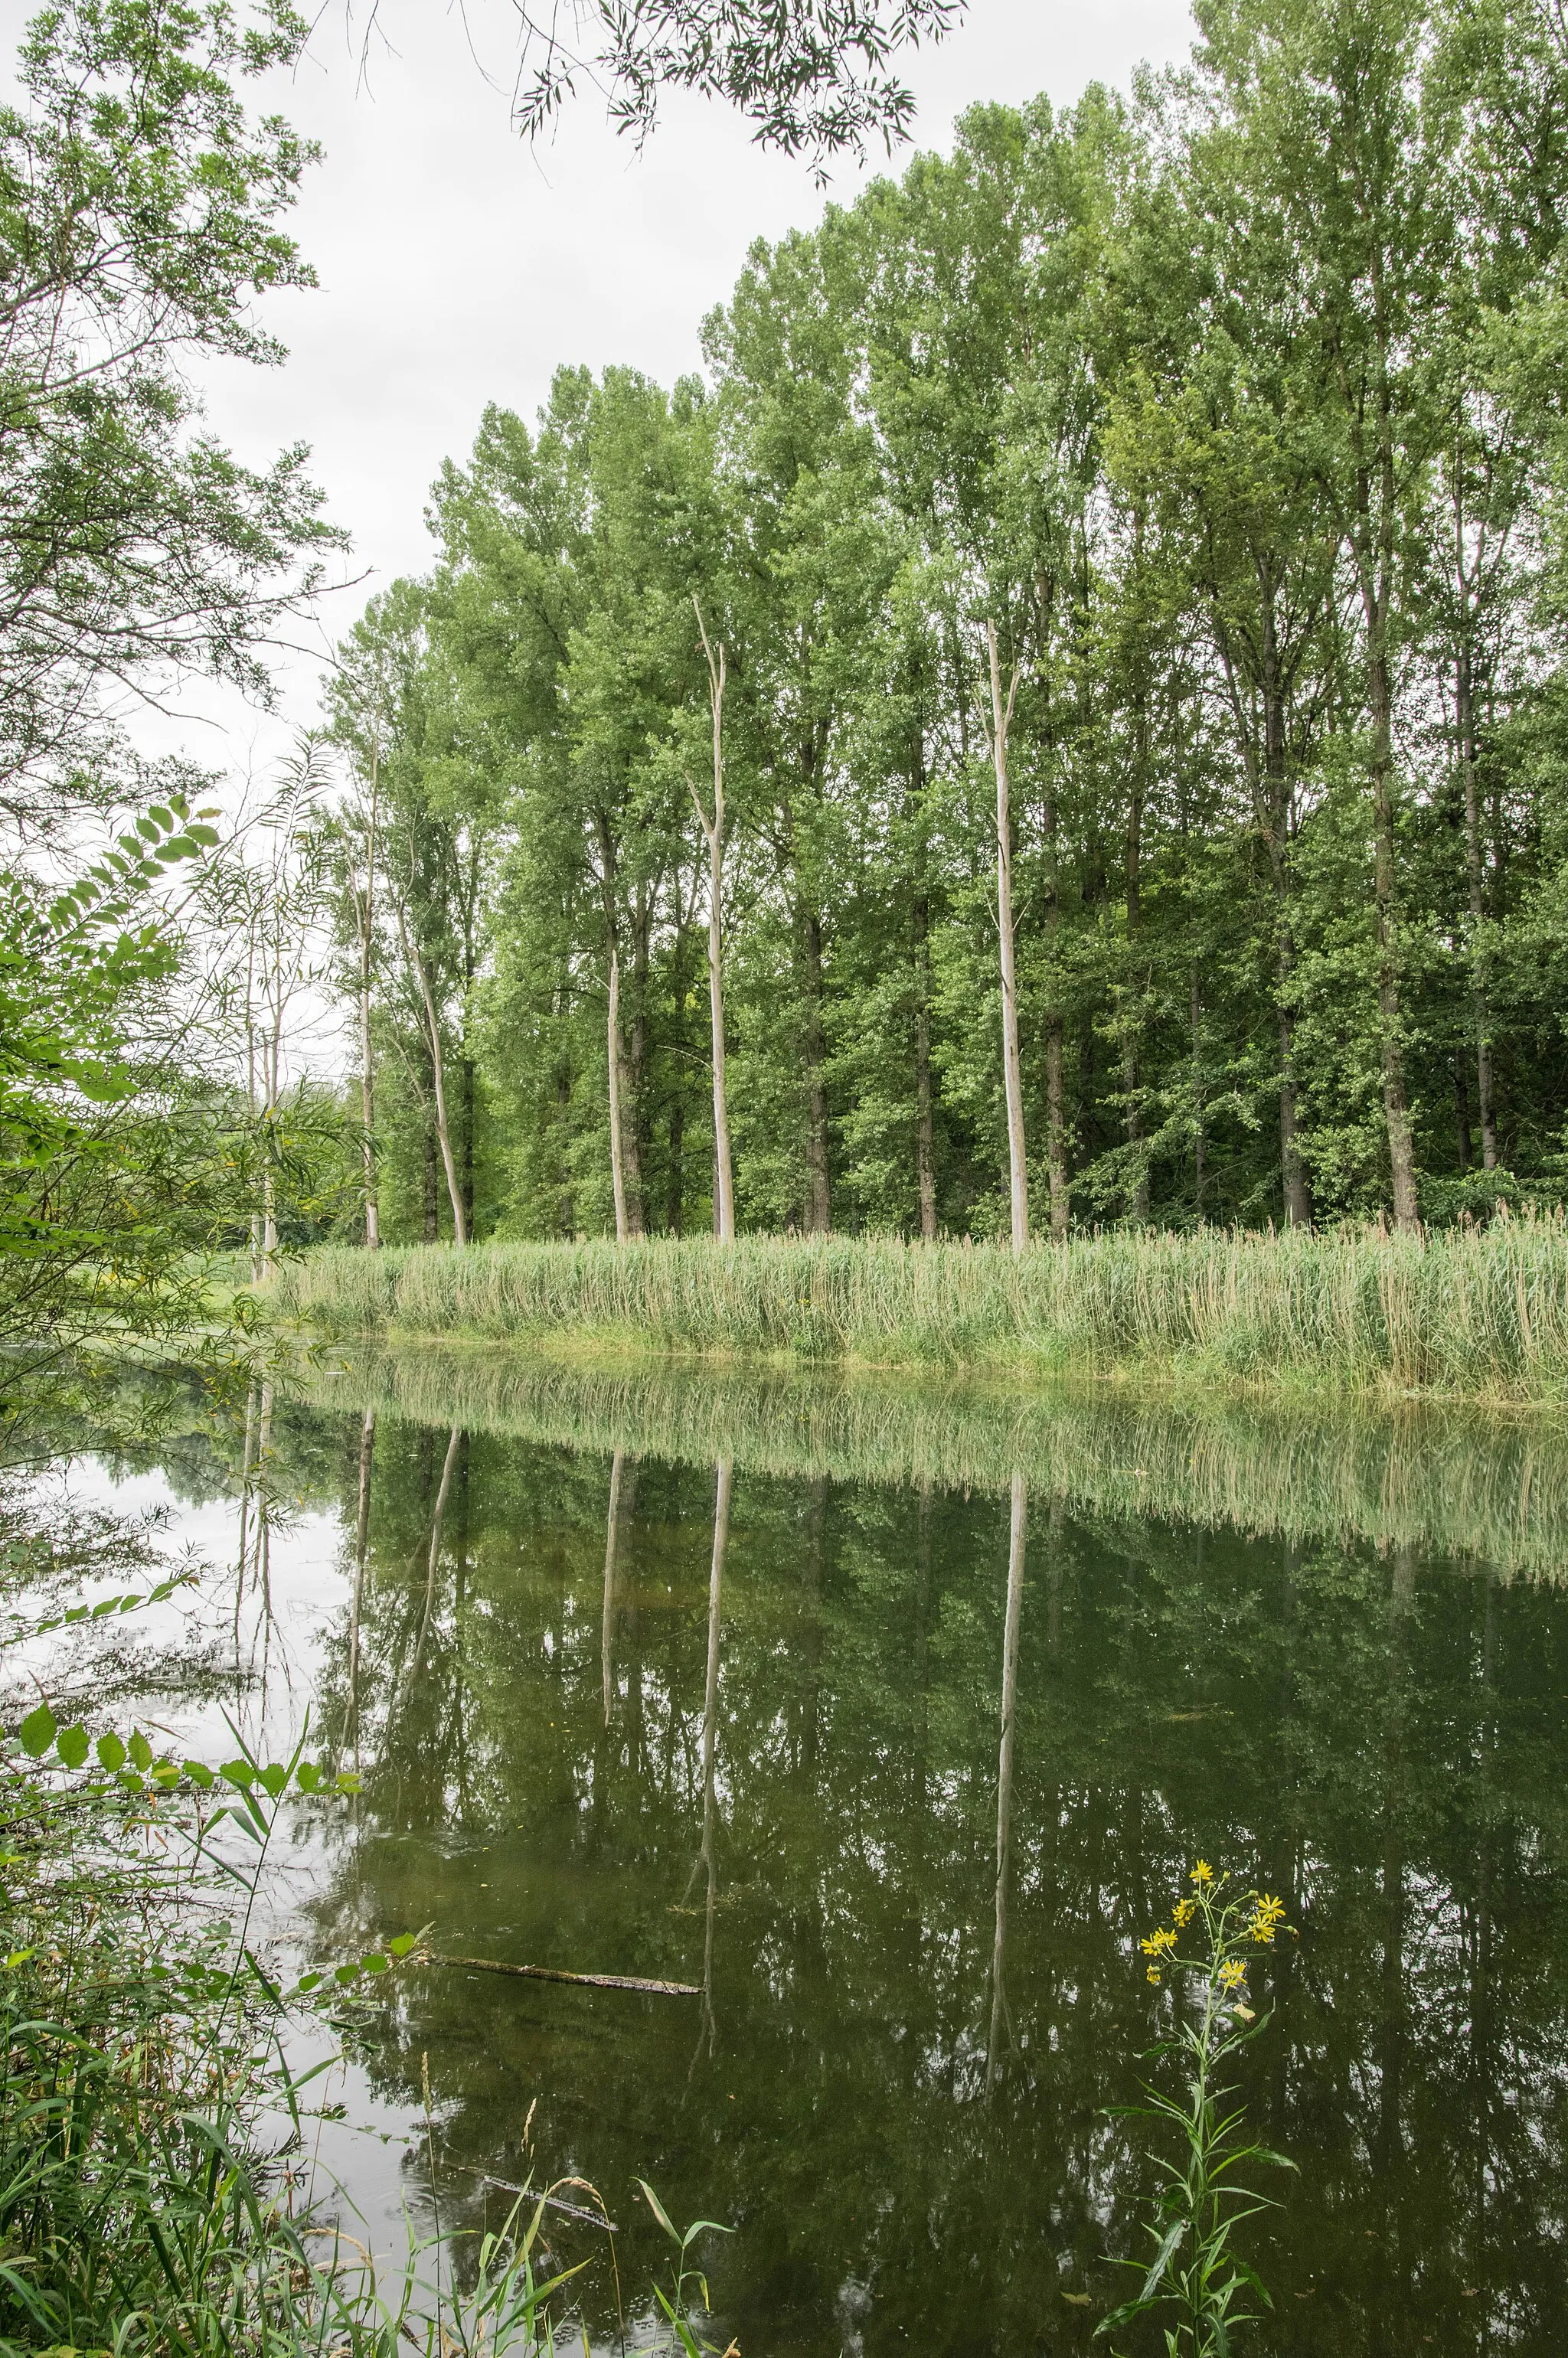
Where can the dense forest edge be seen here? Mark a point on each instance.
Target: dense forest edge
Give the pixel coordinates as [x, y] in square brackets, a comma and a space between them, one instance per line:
[1060, 723]
[1469, 1313]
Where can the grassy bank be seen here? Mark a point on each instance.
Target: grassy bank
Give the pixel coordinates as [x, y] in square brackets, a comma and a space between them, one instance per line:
[1484, 1486]
[1464, 1313]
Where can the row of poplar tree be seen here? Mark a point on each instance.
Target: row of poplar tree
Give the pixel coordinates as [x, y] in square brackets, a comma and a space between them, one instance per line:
[1063, 723]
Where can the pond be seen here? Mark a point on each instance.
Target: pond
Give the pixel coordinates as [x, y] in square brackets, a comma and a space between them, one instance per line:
[888, 1719]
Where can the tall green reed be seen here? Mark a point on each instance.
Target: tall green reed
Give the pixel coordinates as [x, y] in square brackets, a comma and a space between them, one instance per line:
[1472, 1312]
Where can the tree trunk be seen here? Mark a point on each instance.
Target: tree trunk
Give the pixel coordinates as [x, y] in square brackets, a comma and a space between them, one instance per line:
[443, 1128]
[713, 832]
[818, 1215]
[1200, 1140]
[1271, 807]
[367, 1110]
[1461, 1116]
[465, 1113]
[677, 1199]
[1464, 717]
[437, 1081]
[430, 1202]
[1137, 1195]
[1373, 544]
[723, 1169]
[613, 1072]
[1012, 1077]
[1396, 1107]
[1056, 1085]
[631, 1120]
[367, 1057]
[924, 1120]
[566, 1200]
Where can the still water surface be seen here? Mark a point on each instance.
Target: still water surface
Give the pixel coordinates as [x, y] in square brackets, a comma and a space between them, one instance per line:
[890, 1723]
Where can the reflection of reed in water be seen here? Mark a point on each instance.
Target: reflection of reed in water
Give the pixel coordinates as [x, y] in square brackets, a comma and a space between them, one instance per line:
[1447, 1482]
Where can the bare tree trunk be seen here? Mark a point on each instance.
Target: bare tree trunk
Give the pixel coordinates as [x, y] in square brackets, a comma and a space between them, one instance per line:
[924, 1111]
[367, 1110]
[466, 1114]
[437, 1083]
[1133, 1119]
[1012, 1077]
[1396, 1106]
[430, 1202]
[443, 1128]
[713, 832]
[612, 1063]
[1055, 1080]
[1292, 1171]
[1200, 1140]
[1464, 717]
[1001, 2018]
[1372, 544]
[818, 1208]
[633, 1115]
[1271, 804]
[367, 1057]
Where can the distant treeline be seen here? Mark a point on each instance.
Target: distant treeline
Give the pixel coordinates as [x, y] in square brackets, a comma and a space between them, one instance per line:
[1093, 645]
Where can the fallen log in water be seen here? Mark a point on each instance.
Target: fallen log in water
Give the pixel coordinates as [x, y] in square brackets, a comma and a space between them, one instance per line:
[556, 1974]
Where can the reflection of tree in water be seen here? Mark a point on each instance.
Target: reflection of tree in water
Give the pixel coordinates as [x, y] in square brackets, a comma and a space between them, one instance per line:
[931, 1797]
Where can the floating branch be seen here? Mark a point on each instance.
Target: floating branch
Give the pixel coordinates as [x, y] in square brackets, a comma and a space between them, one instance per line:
[554, 1973]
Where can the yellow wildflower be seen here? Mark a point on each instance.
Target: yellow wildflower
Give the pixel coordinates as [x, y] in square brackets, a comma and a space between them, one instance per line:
[1268, 1914]
[1202, 1872]
[1183, 1909]
[1158, 1941]
[1153, 1974]
[1232, 1973]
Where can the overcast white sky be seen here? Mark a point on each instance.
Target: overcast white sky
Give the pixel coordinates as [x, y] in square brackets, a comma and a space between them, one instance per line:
[457, 268]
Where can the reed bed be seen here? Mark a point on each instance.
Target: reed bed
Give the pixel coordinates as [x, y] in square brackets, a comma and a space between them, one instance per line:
[1462, 1313]
[1473, 1485]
